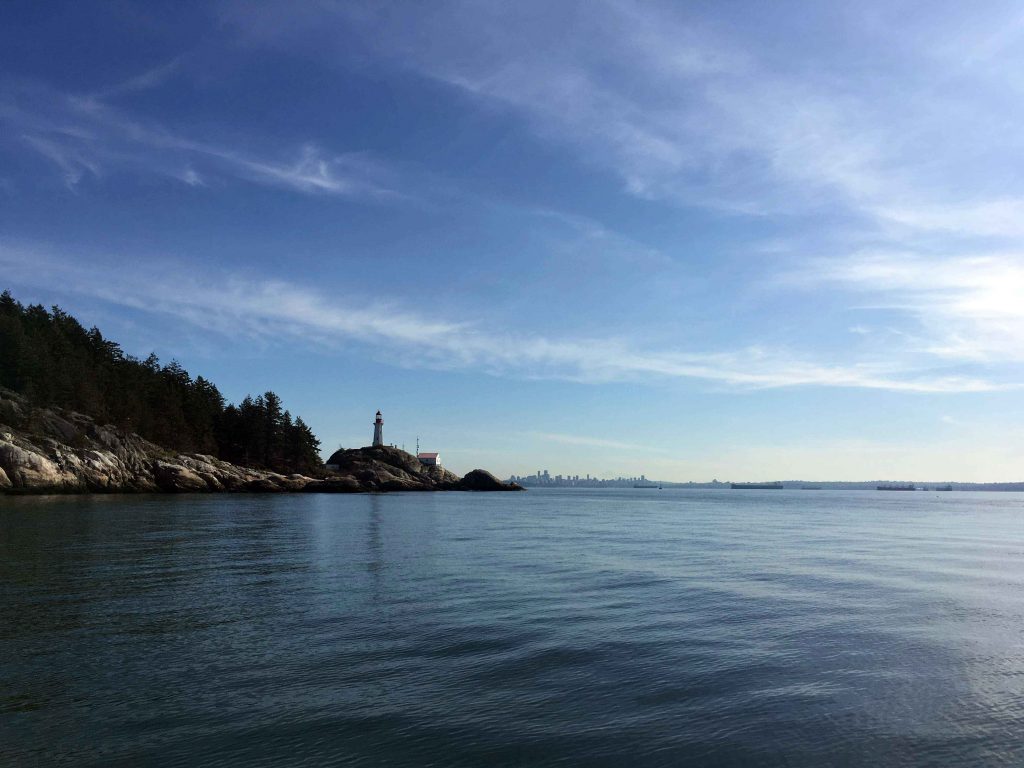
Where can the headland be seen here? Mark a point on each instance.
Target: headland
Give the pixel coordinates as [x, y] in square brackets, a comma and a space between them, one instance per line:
[53, 450]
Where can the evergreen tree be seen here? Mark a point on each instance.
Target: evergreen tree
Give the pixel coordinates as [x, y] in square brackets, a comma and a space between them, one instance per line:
[50, 358]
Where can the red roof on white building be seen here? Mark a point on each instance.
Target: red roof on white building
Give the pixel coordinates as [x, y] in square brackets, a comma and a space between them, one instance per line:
[426, 455]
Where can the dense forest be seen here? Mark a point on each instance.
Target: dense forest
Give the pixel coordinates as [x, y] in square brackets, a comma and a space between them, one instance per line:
[50, 358]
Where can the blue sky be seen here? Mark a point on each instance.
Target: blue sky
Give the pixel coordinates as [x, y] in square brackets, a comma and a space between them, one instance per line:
[712, 239]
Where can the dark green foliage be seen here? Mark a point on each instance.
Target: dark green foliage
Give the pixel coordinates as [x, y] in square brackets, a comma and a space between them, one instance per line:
[51, 359]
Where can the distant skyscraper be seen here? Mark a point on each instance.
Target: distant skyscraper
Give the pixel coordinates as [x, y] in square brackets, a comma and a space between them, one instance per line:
[378, 430]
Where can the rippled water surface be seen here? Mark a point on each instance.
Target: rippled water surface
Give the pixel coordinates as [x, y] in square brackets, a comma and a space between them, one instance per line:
[577, 627]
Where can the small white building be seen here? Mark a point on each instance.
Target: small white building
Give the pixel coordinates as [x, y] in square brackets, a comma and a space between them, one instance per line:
[429, 459]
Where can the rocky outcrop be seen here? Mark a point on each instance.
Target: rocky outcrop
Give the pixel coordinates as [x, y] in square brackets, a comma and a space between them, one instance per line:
[27, 467]
[482, 480]
[383, 468]
[48, 450]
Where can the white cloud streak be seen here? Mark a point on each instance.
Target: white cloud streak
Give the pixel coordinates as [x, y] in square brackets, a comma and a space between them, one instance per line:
[971, 307]
[685, 109]
[73, 164]
[84, 135]
[590, 442]
[145, 81]
[678, 110]
[277, 310]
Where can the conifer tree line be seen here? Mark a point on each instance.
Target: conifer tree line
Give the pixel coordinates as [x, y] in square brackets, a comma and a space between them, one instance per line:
[50, 358]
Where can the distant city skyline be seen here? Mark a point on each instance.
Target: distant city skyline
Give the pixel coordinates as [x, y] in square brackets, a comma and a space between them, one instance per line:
[543, 477]
[682, 240]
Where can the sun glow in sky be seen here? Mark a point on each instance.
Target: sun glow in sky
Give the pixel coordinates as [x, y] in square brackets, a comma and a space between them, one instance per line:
[732, 240]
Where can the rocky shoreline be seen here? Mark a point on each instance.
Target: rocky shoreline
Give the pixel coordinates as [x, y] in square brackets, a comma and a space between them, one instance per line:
[49, 450]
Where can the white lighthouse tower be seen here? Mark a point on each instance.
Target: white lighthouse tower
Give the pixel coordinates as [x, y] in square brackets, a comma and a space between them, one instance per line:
[378, 430]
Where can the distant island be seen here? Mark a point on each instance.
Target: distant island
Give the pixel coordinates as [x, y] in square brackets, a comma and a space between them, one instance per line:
[78, 415]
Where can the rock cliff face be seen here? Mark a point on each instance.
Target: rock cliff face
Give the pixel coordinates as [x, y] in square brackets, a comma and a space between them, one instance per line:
[45, 450]
[48, 450]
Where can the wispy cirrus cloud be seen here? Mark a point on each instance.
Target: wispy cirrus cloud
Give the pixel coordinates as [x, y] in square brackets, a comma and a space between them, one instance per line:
[969, 307]
[1001, 217]
[701, 113]
[590, 442]
[151, 78]
[83, 135]
[277, 310]
[72, 163]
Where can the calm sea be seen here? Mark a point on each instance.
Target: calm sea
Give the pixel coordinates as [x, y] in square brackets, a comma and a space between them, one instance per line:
[629, 627]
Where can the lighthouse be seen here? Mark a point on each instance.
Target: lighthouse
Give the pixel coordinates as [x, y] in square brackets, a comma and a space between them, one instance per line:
[378, 430]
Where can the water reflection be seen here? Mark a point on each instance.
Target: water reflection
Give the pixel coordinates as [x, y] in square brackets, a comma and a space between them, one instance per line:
[549, 628]
[374, 541]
